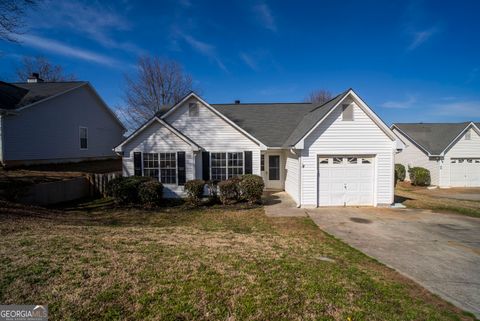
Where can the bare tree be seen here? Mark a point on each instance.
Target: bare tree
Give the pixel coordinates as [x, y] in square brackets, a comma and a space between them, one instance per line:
[319, 96]
[157, 85]
[12, 13]
[46, 70]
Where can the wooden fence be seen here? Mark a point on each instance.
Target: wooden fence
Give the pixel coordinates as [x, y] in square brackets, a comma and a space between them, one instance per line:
[98, 182]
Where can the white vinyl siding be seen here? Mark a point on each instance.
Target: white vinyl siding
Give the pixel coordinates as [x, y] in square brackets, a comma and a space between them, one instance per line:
[292, 175]
[213, 133]
[362, 136]
[461, 149]
[413, 156]
[156, 138]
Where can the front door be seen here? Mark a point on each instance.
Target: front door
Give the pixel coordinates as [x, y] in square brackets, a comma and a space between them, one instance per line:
[273, 174]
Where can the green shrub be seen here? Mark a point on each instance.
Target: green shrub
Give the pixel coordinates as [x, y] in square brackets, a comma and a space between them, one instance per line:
[125, 190]
[113, 186]
[419, 176]
[194, 190]
[251, 188]
[229, 191]
[400, 172]
[150, 193]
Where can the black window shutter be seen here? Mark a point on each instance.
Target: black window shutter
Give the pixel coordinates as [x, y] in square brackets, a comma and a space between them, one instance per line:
[206, 166]
[181, 174]
[248, 162]
[137, 163]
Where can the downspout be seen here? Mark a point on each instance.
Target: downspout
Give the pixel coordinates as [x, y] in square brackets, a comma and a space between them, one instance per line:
[299, 178]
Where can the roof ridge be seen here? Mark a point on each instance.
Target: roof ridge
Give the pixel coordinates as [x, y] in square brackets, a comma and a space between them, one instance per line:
[49, 82]
[273, 103]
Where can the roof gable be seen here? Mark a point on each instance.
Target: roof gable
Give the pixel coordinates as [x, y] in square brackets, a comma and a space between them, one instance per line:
[434, 138]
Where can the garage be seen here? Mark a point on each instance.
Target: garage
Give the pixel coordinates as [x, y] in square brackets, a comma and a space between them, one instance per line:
[345, 180]
[465, 172]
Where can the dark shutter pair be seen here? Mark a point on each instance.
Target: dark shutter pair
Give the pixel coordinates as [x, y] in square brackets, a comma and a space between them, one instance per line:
[206, 164]
[181, 170]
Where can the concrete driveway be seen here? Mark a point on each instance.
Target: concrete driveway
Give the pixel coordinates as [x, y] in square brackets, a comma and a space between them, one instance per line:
[439, 251]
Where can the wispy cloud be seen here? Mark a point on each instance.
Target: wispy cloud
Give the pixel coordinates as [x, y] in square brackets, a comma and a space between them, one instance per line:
[400, 104]
[205, 49]
[265, 16]
[420, 37]
[249, 61]
[89, 19]
[463, 109]
[59, 48]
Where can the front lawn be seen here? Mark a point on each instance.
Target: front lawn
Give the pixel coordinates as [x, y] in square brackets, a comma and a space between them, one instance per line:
[436, 200]
[206, 264]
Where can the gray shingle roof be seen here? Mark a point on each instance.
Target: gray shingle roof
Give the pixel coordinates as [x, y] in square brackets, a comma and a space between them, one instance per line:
[29, 93]
[433, 137]
[277, 124]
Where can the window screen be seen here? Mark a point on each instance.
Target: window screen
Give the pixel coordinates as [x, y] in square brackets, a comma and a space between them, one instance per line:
[83, 138]
[168, 168]
[193, 110]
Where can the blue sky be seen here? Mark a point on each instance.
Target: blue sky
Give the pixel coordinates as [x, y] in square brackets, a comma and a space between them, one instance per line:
[411, 61]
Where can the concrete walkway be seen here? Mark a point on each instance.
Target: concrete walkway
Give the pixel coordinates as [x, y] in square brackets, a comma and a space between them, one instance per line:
[439, 251]
[280, 204]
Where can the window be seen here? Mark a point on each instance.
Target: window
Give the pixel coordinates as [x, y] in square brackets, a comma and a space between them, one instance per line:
[262, 163]
[150, 165]
[235, 164]
[470, 161]
[337, 160]
[226, 165]
[352, 160]
[83, 137]
[347, 112]
[477, 161]
[468, 135]
[193, 110]
[366, 161]
[168, 168]
[453, 161]
[323, 160]
[218, 164]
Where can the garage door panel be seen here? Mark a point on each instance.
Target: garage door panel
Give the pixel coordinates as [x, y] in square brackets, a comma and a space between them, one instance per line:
[345, 183]
[465, 172]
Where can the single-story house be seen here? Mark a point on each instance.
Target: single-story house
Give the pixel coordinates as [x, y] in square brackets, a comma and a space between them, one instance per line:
[336, 153]
[450, 151]
[55, 122]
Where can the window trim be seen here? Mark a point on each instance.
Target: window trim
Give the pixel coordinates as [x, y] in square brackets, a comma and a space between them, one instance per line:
[344, 107]
[226, 161]
[80, 136]
[468, 135]
[151, 168]
[196, 114]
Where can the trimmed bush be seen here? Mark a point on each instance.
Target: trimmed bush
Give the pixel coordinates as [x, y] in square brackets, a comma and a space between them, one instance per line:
[400, 172]
[229, 191]
[194, 190]
[150, 193]
[251, 188]
[125, 189]
[419, 176]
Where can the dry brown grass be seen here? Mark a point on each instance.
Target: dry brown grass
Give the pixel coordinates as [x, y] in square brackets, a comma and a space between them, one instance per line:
[209, 264]
[421, 197]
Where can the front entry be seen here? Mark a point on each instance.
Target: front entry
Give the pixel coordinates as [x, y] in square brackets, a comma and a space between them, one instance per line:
[272, 171]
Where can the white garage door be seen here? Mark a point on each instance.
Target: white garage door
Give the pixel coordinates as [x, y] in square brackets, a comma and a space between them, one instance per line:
[345, 180]
[465, 172]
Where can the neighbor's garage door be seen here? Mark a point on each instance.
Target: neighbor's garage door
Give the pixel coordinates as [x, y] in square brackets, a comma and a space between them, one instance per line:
[345, 180]
[465, 172]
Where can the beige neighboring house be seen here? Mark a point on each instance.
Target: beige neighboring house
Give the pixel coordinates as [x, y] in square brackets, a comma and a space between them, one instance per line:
[55, 122]
[450, 151]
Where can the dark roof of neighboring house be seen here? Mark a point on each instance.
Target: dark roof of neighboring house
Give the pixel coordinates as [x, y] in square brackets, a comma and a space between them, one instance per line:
[16, 95]
[433, 137]
[286, 123]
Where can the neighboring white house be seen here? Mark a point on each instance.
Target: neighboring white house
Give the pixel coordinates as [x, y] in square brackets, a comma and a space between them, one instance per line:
[336, 153]
[450, 151]
[52, 122]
